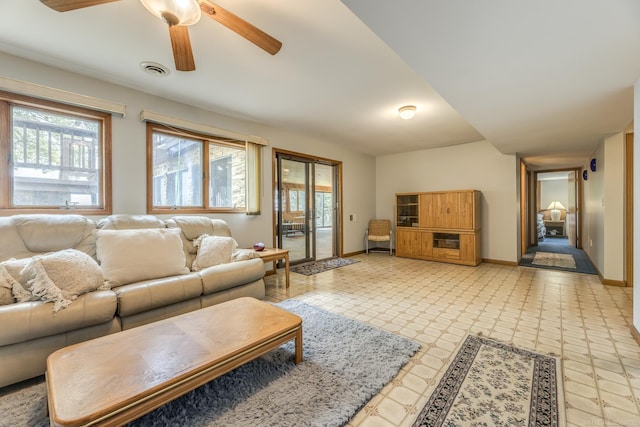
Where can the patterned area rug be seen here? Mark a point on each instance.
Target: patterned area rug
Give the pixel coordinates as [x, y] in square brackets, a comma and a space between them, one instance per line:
[554, 260]
[495, 384]
[315, 267]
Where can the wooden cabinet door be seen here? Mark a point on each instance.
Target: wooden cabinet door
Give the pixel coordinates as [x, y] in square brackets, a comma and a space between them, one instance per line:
[446, 210]
[467, 247]
[465, 210]
[426, 243]
[427, 213]
[407, 242]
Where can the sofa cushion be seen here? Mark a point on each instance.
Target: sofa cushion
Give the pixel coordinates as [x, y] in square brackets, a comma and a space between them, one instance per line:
[226, 276]
[130, 222]
[29, 320]
[61, 276]
[150, 294]
[128, 256]
[192, 227]
[213, 250]
[27, 235]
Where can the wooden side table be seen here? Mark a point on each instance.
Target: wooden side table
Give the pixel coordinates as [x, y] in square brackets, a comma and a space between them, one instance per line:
[273, 255]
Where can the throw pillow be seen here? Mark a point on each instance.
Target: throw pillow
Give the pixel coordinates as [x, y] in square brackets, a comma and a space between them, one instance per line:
[213, 250]
[60, 277]
[12, 273]
[128, 256]
[73, 271]
[45, 290]
[15, 268]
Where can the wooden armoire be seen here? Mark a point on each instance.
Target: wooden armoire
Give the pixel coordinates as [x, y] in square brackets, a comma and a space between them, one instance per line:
[440, 226]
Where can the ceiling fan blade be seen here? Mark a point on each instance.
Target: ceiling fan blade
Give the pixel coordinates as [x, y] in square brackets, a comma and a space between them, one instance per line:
[67, 5]
[181, 45]
[240, 26]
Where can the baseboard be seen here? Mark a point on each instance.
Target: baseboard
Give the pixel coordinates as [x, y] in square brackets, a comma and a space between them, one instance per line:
[352, 254]
[610, 282]
[635, 334]
[500, 262]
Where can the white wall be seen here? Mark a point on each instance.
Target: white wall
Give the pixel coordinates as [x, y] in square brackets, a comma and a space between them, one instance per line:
[129, 152]
[593, 218]
[614, 150]
[474, 166]
[554, 190]
[604, 208]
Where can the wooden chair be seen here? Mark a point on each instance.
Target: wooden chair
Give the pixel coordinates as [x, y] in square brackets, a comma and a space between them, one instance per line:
[379, 230]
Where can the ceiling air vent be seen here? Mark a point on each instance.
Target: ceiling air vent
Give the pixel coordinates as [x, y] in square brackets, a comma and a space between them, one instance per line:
[154, 68]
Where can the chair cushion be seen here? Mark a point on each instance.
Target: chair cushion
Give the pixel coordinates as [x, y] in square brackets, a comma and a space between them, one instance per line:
[385, 238]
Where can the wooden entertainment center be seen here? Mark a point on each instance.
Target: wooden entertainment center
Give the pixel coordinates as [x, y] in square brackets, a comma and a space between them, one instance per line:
[440, 226]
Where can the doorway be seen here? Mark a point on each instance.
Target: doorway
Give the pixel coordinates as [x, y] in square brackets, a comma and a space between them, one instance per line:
[557, 206]
[306, 216]
[555, 241]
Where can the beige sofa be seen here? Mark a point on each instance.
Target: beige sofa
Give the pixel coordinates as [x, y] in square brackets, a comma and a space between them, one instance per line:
[30, 331]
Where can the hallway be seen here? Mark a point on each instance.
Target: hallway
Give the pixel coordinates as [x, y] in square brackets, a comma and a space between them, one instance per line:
[555, 253]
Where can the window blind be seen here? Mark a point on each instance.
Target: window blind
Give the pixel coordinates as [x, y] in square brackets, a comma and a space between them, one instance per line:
[150, 116]
[63, 96]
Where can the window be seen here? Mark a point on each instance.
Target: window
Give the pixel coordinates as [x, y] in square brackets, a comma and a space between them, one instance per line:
[57, 155]
[296, 200]
[324, 209]
[178, 179]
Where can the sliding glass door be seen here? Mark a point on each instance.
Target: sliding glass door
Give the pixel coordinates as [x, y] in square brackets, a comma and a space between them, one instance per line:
[306, 202]
[295, 216]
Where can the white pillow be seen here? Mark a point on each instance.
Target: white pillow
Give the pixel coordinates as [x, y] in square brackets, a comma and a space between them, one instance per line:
[15, 269]
[60, 277]
[11, 274]
[213, 250]
[128, 256]
[44, 289]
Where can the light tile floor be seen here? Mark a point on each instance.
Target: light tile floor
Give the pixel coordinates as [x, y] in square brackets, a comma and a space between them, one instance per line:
[437, 304]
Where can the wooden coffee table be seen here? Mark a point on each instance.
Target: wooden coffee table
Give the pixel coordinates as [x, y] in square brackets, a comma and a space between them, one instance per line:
[117, 378]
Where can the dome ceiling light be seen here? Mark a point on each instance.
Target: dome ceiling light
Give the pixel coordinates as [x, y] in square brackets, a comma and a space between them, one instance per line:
[407, 112]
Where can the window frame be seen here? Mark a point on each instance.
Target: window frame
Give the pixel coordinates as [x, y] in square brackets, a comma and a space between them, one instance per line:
[7, 101]
[206, 162]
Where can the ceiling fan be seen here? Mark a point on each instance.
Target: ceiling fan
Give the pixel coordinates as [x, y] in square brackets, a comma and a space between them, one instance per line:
[179, 14]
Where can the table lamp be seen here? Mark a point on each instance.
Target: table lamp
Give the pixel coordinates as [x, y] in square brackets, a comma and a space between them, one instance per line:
[555, 210]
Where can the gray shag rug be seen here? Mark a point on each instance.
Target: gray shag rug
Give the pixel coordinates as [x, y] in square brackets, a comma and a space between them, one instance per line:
[346, 363]
[315, 267]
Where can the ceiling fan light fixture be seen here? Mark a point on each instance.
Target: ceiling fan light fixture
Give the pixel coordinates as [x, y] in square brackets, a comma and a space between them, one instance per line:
[175, 12]
[407, 112]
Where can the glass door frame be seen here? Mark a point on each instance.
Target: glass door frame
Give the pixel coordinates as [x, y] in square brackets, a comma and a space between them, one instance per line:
[310, 225]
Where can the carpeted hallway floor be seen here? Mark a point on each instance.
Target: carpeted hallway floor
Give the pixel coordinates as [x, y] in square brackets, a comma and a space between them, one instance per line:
[539, 256]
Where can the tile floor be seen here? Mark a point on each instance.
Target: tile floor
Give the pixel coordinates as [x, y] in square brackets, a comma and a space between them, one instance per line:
[437, 304]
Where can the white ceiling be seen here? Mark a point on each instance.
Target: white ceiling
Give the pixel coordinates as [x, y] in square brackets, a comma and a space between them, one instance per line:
[546, 79]
[536, 78]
